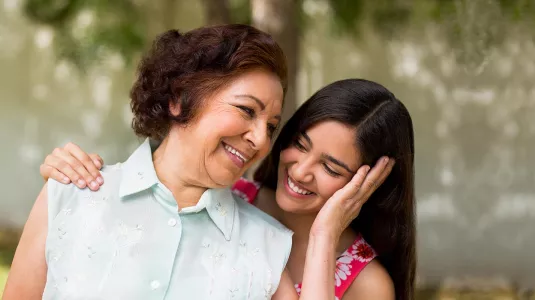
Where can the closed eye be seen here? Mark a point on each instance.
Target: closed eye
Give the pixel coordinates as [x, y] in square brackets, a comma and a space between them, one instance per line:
[271, 129]
[330, 171]
[297, 143]
[249, 111]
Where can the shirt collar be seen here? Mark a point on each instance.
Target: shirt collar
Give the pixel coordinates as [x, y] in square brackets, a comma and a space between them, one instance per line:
[138, 174]
[220, 206]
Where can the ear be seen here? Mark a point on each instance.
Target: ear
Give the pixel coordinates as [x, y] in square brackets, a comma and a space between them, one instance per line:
[174, 108]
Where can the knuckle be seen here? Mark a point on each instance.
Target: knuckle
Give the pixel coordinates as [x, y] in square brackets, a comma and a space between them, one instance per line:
[49, 159]
[87, 161]
[370, 184]
[78, 167]
[61, 164]
[74, 176]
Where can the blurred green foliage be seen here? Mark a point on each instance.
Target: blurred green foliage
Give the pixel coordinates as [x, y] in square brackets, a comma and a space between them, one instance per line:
[119, 26]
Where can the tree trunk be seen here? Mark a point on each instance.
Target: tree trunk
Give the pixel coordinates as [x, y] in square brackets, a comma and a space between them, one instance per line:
[217, 12]
[280, 18]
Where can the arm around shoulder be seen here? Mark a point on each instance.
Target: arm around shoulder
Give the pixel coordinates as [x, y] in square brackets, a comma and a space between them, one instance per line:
[27, 277]
[373, 282]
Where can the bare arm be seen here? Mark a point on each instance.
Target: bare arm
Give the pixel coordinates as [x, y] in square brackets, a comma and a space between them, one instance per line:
[27, 276]
[373, 282]
[286, 290]
[318, 277]
[320, 263]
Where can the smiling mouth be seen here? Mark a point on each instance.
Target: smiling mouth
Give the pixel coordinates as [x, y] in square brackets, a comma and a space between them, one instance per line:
[236, 153]
[294, 187]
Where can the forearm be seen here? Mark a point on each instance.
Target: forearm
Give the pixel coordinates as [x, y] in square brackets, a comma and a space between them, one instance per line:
[320, 264]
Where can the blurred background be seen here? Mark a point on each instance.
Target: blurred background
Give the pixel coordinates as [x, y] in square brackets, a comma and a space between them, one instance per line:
[464, 69]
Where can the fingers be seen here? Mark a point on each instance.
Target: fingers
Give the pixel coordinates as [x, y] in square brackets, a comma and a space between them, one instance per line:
[49, 172]
[68, 165]
[54, 164]
[97, 160]
[353, 186]
[357, 191]
[386, 172]
[373, 179]
[85, 165]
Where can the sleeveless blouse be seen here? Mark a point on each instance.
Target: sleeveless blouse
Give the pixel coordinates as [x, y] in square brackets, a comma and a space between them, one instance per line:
[130, 240]
[348, 265]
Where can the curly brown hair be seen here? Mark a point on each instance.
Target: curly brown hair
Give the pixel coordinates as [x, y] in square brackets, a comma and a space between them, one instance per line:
[186, 68]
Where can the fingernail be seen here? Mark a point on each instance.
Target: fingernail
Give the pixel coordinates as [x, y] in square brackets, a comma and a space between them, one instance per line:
[81, 183]
[367, 169]
[93, 185]
[100, 180]
[385, 160]
[66, 179]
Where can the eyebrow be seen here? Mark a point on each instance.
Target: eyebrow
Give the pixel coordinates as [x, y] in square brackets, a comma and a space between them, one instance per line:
[329, 157]
[260, 103]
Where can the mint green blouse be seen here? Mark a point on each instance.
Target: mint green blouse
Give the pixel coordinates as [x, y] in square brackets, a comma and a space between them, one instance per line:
[129, 240]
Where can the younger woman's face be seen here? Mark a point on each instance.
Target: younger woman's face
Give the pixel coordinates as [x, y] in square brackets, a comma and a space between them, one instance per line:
[319, 162]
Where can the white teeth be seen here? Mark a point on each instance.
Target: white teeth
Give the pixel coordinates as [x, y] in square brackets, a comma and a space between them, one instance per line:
[235, 152]
[296, 189]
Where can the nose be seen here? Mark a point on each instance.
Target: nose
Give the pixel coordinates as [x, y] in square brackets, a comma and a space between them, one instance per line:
[257, 136]
[301, 171]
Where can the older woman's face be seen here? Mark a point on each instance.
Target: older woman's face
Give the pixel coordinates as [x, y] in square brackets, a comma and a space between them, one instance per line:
[235, 127]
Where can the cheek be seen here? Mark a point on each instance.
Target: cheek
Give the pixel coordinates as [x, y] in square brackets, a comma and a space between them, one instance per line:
[288, 155]
[224, 123]
[263, 152]
[328, 185]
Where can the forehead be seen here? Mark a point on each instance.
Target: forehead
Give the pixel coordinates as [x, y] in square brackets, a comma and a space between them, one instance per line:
[261, 84]
[337, 140]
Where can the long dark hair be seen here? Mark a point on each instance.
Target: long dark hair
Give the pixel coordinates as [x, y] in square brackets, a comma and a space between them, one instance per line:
[384, 127]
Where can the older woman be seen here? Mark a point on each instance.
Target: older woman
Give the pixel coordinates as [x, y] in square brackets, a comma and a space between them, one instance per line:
[166, 226]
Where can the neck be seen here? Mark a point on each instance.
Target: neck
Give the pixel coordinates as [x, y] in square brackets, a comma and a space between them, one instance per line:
[300, 224]
[172, 153]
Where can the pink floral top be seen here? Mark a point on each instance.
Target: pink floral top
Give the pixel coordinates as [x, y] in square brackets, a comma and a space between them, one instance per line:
[348, 265]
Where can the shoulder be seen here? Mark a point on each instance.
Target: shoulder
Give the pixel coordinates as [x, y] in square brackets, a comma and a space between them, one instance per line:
[58, 196]
[113, 172]
[62, 196]
[373, 282]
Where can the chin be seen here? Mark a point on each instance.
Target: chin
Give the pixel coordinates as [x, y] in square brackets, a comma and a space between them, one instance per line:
[224, 178]
[284, 203]
[289, 205]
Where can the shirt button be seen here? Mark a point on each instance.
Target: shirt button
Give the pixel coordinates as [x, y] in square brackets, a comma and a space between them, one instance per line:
[171, 222]
[154, 284]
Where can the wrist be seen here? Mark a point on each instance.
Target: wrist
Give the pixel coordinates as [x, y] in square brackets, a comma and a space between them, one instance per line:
[325, 237]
